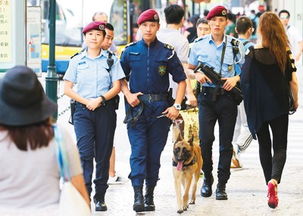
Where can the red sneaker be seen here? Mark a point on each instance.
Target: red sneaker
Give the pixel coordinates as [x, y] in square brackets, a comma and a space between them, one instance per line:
[272, 195]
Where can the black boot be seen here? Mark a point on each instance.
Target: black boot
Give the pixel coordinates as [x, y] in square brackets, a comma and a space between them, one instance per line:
[138, 202]
[100, 204]
[149, 199]
[220, 192]
[206, 189]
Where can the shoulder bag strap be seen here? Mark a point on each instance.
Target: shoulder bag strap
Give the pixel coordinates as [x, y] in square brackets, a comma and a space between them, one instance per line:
[61, 155]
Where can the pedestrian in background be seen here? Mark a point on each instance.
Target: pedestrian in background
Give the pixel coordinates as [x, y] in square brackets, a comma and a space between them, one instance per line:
[191, 31]
[174, 16]
[202, 27]
[294, 37]
[219, 51]
[242, 137]
[268, 75]
[106, 44]
[95, 115]
[147, 65]
[30, 175]
[102, 17]
[230, 29]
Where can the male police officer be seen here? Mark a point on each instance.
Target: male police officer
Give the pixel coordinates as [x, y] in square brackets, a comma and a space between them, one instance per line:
[215, 102]
[147, 64]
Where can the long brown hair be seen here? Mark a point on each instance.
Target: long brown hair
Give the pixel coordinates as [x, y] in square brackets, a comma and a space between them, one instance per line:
[32, 136]
[274, 37]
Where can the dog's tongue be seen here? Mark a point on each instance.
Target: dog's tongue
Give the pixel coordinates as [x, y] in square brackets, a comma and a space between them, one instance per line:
[179, 165]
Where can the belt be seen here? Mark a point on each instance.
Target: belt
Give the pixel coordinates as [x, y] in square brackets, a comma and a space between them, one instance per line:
[111, 101]
[153, 97]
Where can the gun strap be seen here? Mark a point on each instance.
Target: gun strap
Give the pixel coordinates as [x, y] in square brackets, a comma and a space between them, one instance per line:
[109, 61]
[223, 54]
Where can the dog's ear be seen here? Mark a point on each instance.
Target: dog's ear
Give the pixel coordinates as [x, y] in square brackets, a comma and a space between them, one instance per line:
[191, 140]
[179, 137]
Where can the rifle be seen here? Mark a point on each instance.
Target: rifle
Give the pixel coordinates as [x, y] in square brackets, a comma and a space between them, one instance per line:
[216, 79]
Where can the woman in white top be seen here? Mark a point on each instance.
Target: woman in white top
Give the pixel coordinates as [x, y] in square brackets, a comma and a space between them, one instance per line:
[29, 176]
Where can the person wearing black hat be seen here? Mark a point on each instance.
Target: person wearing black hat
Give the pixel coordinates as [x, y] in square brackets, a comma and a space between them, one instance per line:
[147, 65]
[29, 171]
[97, 82]
[221, 52]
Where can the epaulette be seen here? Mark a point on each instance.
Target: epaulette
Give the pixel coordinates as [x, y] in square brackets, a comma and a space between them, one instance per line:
[168, 46]
[75, 55]
[110, 52]
[131, 44]
[198, 39]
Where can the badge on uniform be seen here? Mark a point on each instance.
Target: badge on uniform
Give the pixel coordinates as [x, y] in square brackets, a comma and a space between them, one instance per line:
[162, 70]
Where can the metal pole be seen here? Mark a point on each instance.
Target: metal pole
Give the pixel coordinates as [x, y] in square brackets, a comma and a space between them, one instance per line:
[52, 77]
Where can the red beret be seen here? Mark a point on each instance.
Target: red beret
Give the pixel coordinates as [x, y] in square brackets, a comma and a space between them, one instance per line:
[148, 15]
[217, 11]
[94, 26]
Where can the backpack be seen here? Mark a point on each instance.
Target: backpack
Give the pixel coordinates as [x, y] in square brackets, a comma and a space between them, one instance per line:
[254, 25]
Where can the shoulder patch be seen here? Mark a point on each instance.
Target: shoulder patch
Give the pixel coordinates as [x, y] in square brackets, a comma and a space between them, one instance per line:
[168, 46]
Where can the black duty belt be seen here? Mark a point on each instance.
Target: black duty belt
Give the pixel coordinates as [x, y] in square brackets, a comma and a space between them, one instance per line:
[153, 97]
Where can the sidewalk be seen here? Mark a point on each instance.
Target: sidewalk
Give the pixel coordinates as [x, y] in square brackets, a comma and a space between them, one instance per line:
[246, 188]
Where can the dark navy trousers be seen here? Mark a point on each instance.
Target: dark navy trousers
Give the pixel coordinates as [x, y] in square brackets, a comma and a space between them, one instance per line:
[148, 137]
[223, 110]
[95, 133]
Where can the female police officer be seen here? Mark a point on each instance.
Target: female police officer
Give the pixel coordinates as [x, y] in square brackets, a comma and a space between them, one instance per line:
[95, 116]
[147, 64]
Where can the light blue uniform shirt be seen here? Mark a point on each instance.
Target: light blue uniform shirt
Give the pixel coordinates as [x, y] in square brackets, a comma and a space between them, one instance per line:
[247, 44]
[205, 50]
[90, 75]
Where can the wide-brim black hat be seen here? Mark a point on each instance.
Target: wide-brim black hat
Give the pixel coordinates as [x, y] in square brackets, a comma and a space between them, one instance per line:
[22, 98]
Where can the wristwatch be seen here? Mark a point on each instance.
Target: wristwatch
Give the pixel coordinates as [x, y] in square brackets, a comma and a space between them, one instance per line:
[177, 106]
[103, 102]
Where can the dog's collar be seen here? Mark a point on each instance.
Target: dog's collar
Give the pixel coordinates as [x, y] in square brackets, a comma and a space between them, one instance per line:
[192, 162]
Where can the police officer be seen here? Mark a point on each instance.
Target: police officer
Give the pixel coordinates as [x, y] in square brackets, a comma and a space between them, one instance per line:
[95, 116]
[147, 64]
[219, 51]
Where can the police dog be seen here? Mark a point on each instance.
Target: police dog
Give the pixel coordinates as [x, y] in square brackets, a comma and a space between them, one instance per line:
[187, 164]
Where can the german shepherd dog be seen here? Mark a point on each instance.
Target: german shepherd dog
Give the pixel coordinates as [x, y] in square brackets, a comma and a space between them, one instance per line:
[187, 164]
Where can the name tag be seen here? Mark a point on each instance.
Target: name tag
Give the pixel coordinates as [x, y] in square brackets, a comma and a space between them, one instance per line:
[81, 63]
